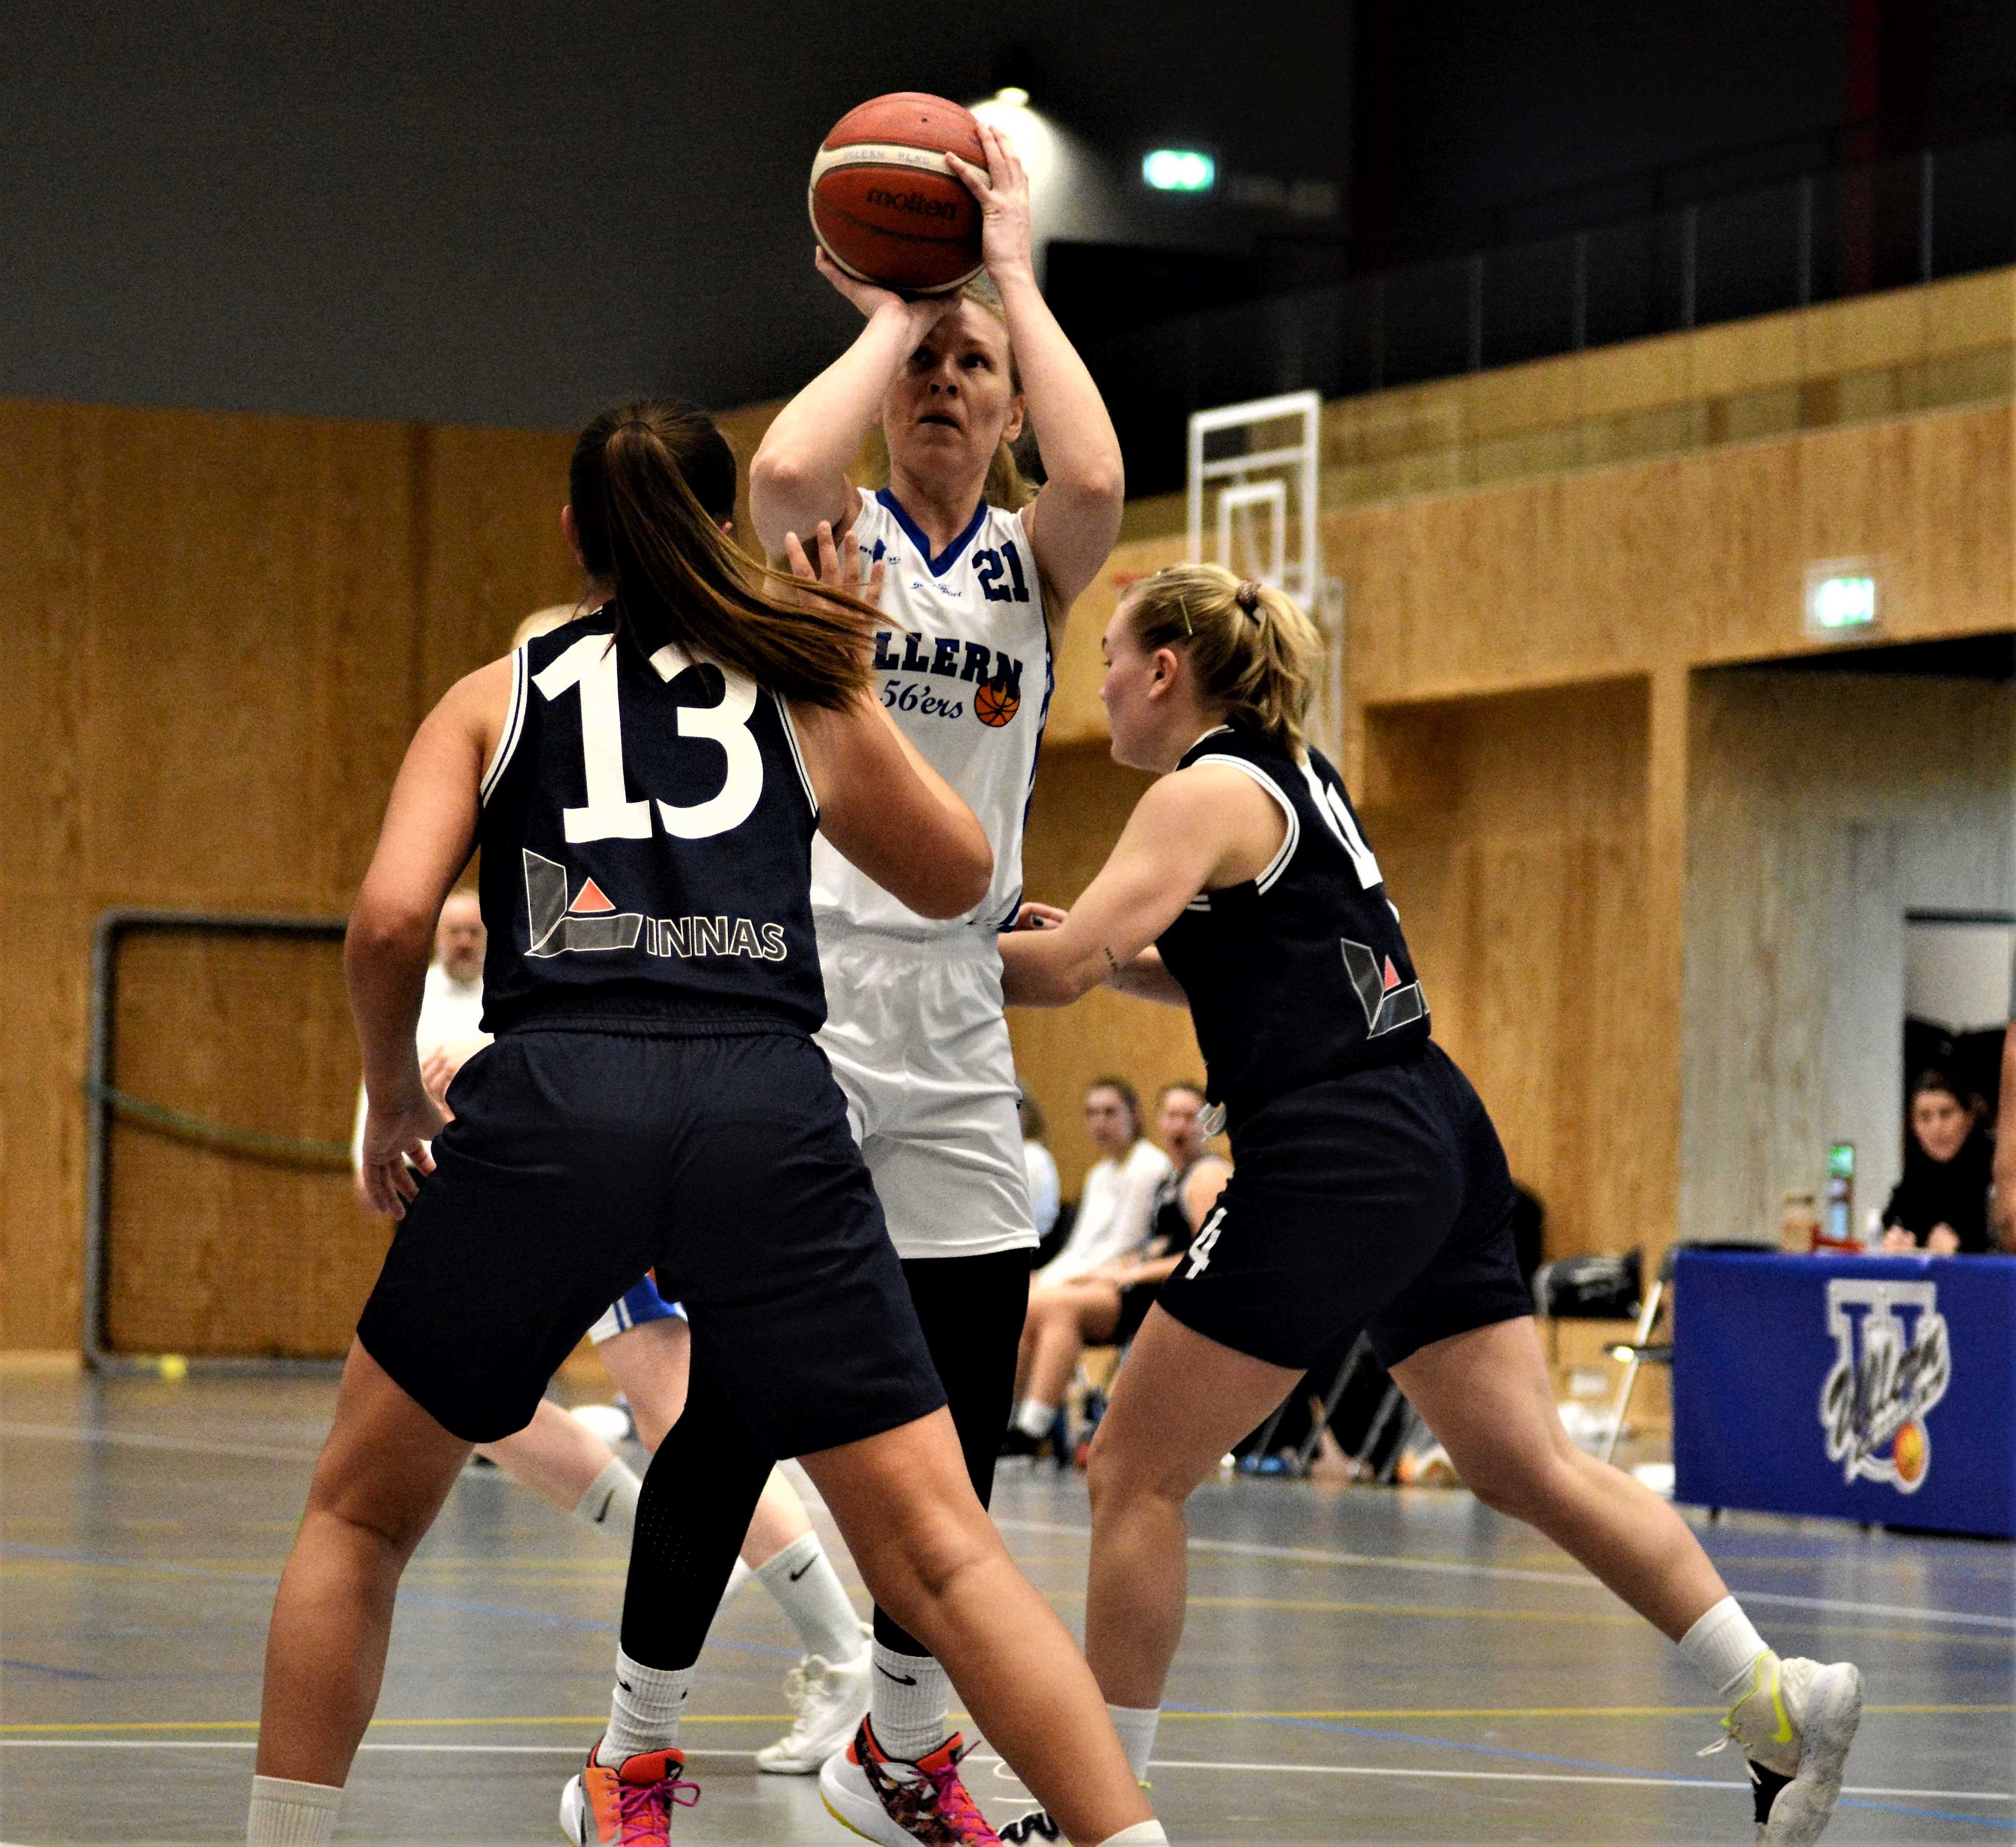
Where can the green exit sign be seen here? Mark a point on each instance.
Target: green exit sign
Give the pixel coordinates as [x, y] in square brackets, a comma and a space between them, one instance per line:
[1843, 601]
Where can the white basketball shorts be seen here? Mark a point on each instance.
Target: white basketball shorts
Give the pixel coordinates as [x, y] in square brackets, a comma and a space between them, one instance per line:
[917, 1040]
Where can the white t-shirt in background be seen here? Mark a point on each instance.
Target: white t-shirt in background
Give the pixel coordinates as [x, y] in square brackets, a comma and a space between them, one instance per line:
[1113, 1215]
[1046, 1193]
[450, 1011]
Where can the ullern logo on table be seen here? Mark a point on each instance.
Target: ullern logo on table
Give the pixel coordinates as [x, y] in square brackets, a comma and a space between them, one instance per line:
[1892, 1364]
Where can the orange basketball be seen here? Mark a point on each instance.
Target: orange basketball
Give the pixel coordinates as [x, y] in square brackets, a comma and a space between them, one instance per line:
[1908, 1452]
[884, 204]
[995, 705]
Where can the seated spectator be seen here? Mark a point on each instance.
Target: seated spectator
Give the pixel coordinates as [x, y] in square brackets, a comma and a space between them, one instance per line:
[1941, 1204]
[1044, 1194]
[1118, 1198]
[1108, 1304]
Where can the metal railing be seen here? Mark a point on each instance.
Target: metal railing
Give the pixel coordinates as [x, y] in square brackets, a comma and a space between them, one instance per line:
[1812, 238]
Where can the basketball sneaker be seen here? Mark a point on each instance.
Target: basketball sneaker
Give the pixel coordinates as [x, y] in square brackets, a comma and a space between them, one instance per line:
[830, 1699]
[883, 1798]
[631, 1804]
[1795, 1725]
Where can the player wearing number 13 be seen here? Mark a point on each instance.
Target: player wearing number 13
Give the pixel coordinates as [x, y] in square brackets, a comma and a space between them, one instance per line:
[643, 785]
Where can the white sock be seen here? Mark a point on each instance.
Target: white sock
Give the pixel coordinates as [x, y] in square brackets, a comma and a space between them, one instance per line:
[739, 1576]
[1723, 1647]
[808, 1589]
[1142, 1834]
[1136, 1727]
[289, 1814]
[644, 1710]
[1034, 1418]
[609, 1506]
[911, 1705]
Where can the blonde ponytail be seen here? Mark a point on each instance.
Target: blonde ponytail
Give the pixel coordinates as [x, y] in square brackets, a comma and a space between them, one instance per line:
[1252, 649]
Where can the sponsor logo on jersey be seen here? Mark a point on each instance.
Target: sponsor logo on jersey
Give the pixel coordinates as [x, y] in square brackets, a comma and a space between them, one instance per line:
[1892, 1364]
[590, 922]
[1389, 1003]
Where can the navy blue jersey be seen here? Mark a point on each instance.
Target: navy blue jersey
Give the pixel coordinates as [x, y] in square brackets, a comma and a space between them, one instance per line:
[1301, 974]
[646, 838]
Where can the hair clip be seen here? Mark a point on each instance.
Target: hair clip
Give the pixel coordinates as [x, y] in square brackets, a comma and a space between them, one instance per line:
[1247, 595]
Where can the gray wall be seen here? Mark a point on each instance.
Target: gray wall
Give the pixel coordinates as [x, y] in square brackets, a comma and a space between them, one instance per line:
[508, 213]
[1821, 809]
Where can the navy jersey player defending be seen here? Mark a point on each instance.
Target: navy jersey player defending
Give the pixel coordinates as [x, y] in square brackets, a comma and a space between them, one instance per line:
[976, 583]
[644, 785]
[1369, 1189]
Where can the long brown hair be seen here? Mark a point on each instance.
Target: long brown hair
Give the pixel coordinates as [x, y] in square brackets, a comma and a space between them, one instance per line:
[644, 483]
[1252, 649]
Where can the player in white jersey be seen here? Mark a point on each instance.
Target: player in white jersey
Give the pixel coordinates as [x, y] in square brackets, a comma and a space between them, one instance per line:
[976, 584]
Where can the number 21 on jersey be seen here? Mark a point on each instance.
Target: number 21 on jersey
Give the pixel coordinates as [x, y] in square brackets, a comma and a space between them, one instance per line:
[589, 666]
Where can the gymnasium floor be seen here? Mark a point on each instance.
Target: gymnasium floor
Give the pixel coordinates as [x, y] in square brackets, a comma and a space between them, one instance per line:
[1361, 1666]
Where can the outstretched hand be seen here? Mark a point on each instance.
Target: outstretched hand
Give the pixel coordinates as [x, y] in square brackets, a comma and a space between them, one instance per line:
[842, 563]
[1007, 242]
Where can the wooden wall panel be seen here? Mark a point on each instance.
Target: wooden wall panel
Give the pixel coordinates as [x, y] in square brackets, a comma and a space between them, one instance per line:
[1512, 834]
[1694, 559]
[1083, 800]
[236, 1256]
[217, 635]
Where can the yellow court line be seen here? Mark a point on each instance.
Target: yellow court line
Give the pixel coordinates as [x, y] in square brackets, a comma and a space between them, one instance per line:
[122, 1725]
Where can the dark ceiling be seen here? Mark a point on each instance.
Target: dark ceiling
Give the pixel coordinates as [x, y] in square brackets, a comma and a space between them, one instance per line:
[510, 213]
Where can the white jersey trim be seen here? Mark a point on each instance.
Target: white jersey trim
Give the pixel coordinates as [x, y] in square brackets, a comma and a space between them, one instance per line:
[1279, 863]
[797, 755]
[514, 726]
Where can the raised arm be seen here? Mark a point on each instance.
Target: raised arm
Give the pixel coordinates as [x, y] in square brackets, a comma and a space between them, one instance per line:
[428, 831]
[799, 476]
[888, 812]
[1075, 518]
[1200, 827]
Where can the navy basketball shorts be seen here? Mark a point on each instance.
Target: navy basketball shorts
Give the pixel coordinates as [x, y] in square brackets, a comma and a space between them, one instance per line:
[1379, 1201]
[721, 1160]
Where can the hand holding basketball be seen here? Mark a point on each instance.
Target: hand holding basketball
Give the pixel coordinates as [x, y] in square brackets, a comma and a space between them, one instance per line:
[1006, 241]
[925, 312]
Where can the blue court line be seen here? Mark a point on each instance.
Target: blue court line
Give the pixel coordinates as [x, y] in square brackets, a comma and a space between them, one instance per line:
[42, 1667]
[1575, 1763]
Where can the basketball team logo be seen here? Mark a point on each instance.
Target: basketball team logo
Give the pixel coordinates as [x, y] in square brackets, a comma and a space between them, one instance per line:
[995, 704]
[585, 922]
[1389, 1002]
[1892, 1364]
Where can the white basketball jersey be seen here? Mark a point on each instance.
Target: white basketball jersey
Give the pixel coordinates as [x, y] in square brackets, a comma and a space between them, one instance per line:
[963, 667]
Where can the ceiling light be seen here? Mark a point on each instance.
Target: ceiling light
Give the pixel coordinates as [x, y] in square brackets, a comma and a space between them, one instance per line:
[1013, 95]
[1179, 170]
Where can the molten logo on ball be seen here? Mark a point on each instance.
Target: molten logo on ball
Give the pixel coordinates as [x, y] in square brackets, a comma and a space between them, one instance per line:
[1893, 1363]
[913, 201]
[995, 705]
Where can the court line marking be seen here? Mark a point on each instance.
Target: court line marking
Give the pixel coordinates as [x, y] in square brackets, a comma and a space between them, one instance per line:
[133, 1725]
[1159, 1764]
[1302, 1555]
[141, 1440]
[1506, 1573]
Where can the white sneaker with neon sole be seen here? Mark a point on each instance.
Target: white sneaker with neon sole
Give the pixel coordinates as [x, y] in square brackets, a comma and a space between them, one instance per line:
[1795, 1726]
[830, 1699]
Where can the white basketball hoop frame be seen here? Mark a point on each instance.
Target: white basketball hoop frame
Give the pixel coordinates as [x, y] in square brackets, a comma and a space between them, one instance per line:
[1256, 496]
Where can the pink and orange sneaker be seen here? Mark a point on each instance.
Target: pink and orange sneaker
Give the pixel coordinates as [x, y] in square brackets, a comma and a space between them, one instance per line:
[631, 1804]
[883, 1798]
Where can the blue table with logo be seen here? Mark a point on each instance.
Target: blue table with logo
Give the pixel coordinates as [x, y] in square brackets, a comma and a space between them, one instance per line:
[1865, 1387]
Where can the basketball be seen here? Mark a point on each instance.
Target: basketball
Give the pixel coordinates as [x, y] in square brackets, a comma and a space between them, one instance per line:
[995, 705]
[885, 206]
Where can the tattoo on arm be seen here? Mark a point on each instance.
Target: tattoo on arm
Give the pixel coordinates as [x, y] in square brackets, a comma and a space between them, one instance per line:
[1112, 963]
